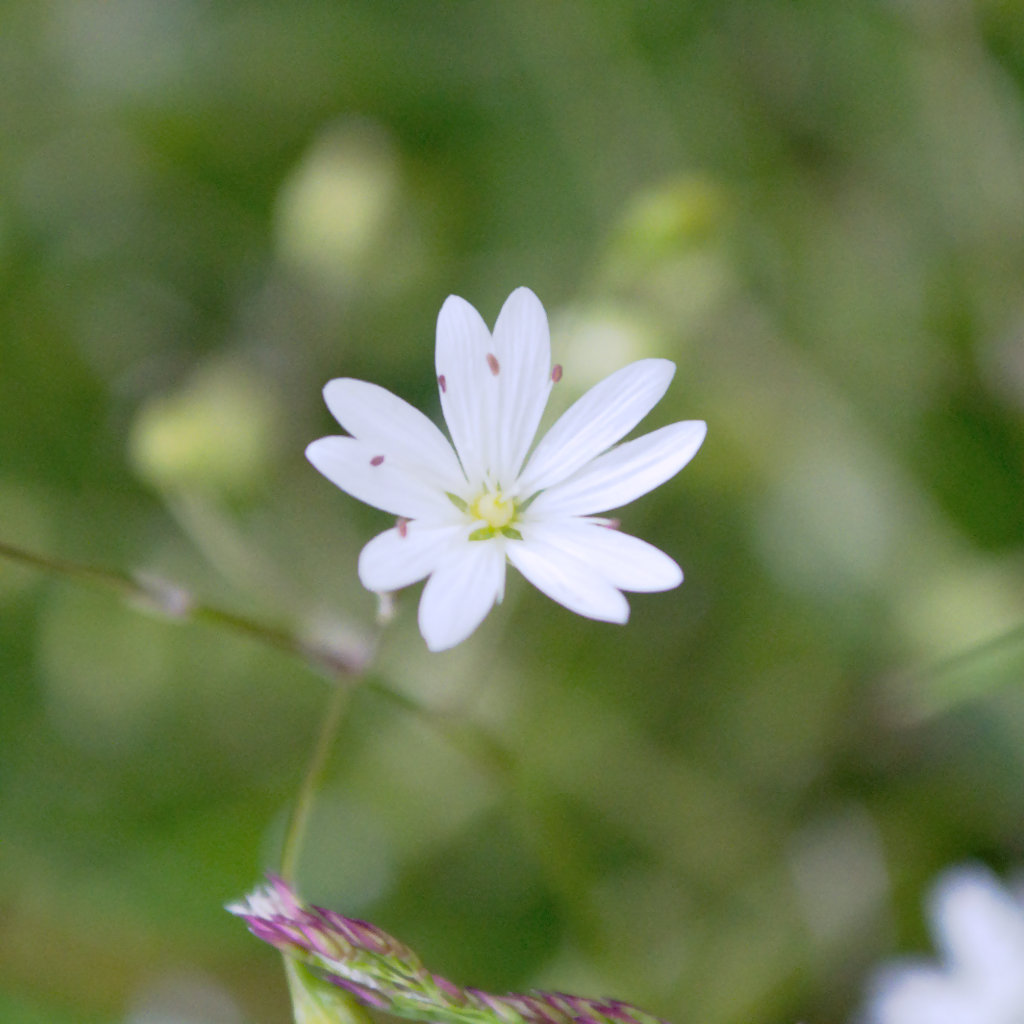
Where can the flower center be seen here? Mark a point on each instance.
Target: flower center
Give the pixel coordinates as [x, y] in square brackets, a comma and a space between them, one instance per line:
[494, 509]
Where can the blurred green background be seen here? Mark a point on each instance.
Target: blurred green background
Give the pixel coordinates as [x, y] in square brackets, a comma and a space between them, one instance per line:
[726, 811]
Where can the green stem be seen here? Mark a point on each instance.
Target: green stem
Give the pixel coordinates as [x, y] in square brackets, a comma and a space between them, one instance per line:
[349, 664]
[475, 741]
[338, 663]
[177, 603]
[72, 570]
[298, 821]
[344, 666]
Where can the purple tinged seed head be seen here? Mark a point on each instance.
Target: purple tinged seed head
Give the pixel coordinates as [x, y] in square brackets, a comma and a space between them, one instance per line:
[619, 1011]
[384, 974]
[448, 988]
[532, 1008]
[367, 996]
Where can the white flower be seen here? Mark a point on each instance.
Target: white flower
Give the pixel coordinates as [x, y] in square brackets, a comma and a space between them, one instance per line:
[464, 510]
[979, 929]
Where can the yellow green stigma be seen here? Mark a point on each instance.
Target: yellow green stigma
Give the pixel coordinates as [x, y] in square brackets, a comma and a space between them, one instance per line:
[494, 509]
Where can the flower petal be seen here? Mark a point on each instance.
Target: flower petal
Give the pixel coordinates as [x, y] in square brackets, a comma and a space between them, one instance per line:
[624, 473]
[522, 345]
[624, 561]
[604, 415]
[394, 428]
[917, 992]
[568, 580]
[979, 925]
[353, 466]
[397, 558]
[460, 593]
[468, 388]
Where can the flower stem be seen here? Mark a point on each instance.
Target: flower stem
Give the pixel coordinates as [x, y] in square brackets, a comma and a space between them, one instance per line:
[72, 570]
[341, 664]
[299, 818]
[177, 603]
[344, 666]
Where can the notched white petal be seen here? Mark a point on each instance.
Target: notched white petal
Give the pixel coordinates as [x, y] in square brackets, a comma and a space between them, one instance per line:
[522, 343]
[465, 382]
[461, 592]
[384, 421]
[624, 561]
[624, 473]
[370, 476]
[568, 580]
[405, 554]
[604, 415]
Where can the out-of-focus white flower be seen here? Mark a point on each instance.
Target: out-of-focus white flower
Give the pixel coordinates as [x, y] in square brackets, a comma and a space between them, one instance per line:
[464, 510]
[979, 929]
